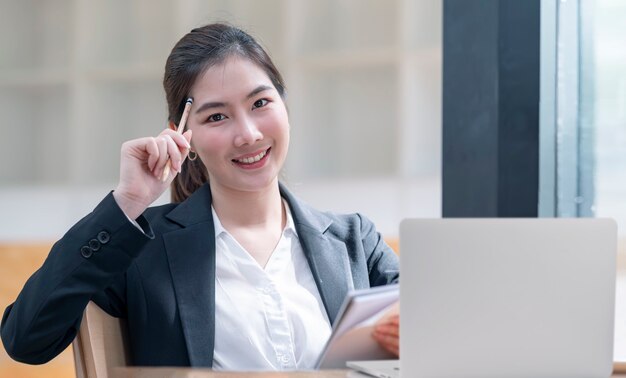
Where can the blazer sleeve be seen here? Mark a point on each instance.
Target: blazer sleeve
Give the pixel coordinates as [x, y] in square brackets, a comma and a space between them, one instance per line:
[382, 262]
[89, 261]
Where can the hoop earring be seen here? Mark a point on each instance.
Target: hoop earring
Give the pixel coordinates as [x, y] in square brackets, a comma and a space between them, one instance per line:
[192, 157]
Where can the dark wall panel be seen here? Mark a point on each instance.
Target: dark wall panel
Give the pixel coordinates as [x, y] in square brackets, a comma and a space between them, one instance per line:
[490, 108]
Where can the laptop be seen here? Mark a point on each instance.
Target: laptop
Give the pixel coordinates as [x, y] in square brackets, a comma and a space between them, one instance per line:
[504, 298]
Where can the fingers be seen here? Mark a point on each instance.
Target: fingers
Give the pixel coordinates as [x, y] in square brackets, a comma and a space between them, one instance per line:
[173, 149]
[174, 153]
[387, 334]
[178, 147]
[161, 143]
[388, 342]
[389, 320]
[187, 136]
[388, 329]
[393, 320]
[181, 140]
[145, 150]
[153, 153]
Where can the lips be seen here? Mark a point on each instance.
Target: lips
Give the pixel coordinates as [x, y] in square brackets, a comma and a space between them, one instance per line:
[254, 160]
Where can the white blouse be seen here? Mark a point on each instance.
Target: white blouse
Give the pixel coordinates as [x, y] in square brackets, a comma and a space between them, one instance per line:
[268, 318]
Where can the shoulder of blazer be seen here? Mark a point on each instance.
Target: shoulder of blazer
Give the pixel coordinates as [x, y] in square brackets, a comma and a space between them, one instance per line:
[195, 209]
[304, 215]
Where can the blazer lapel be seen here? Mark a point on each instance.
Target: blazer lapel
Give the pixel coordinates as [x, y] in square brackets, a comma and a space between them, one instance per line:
[327, 257]
[191, 255]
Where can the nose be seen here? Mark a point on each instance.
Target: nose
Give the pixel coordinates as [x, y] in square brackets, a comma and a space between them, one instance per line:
[247, 132]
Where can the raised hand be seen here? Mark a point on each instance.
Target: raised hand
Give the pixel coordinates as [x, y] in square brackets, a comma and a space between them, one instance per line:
[142, 163]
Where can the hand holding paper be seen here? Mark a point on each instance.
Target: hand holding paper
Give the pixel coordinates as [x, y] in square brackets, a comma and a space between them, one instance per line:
[387, 330]
[354, 327]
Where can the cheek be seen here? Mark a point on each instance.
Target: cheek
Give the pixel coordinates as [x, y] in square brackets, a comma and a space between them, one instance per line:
[286, 133]
[210, 143]
[279, 124]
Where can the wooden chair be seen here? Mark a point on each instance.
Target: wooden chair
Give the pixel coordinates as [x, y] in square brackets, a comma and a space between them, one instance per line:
[101, 344]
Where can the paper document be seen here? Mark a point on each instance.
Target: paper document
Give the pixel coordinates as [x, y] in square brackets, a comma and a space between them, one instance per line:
[351, 339]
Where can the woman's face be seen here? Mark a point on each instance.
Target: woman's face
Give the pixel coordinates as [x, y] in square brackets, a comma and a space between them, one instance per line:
[240, 125]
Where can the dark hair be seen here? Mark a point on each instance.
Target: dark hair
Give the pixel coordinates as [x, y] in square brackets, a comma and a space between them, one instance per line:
[197, 51]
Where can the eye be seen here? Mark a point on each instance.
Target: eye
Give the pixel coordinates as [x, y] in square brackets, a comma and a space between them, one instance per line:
[260, 103]
[216, 117]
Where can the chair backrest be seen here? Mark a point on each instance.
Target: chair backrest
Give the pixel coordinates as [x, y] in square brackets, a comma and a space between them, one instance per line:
[101, 344]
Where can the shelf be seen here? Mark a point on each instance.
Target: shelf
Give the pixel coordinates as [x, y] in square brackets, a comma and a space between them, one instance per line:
[430, 16]
[127, 73]
[350, 67]
[127, 32]
[35, 34]
[154, 70]
[34, 148]
[261, 19]
[45, 78]
[114, 113]
[33, 78]
[350, 59]
[348, 24]
[347, 124]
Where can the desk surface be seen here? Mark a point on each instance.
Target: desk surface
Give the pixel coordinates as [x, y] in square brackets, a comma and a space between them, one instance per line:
[141, 372]
[145, 372]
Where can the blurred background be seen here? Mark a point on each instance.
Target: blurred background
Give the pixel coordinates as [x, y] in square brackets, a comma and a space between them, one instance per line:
[364, 81]
[79, 77]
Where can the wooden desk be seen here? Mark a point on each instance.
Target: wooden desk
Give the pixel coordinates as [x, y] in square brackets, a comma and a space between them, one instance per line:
[141, 372]
[145, 372]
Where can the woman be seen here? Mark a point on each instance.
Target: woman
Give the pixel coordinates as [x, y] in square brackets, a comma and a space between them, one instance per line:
[236, 273]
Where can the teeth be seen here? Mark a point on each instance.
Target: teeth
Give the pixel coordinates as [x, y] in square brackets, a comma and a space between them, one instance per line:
[250, 160]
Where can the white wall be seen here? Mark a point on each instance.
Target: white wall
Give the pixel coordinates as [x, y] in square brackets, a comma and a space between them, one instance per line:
[364, 94]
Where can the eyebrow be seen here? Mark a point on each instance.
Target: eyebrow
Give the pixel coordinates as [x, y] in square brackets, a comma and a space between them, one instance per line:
[217, 104]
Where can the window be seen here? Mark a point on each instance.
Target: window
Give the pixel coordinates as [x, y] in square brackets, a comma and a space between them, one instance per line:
[584, 137]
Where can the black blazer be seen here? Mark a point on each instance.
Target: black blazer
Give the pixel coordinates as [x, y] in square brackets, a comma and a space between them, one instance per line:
[163, 281]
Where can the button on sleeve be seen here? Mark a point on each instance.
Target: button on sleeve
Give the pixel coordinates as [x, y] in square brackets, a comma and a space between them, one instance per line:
[86, 251]
[104, 237]
[94, 245]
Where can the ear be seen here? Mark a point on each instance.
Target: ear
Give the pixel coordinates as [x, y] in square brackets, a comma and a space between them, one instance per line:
[172, 125]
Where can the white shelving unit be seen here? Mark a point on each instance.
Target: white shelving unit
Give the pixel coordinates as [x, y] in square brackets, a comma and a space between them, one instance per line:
[79, 77]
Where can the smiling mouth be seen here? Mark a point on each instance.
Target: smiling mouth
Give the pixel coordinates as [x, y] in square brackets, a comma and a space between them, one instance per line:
[252, 159]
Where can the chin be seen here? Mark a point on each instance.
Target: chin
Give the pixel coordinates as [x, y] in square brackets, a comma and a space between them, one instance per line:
[255, 184]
